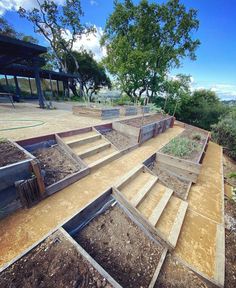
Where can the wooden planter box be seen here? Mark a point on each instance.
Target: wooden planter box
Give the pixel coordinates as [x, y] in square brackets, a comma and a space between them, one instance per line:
[9, 175]
[99, 206]
[147, 131]
[97, 112]
[152, 159]
[46, 142]
[112, 126]
[186, 169]
[128, 110]
[143, 109]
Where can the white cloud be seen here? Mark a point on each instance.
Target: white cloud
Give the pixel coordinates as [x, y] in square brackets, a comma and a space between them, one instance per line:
[91, 43]
[93, 2]
[16, 4]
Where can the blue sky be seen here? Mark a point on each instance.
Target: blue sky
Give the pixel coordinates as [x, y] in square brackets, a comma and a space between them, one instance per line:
[215, 66]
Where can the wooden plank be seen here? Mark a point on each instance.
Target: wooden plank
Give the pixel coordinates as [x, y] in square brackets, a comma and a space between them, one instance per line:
[126, 129]
[84, 140]
[90, 260]
[220, 256]
[176, 228]
[179, 163]
[184, 174]
[156, 213]
[144, 222]
[67, 181]
[74, 132]
[104, 160]
[143, 191]
[95, 149]
[128, 177]
[37, 172]
[158, 269]
[69, 152]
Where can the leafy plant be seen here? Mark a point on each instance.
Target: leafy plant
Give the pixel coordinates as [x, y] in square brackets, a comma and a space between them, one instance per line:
[181, 147]
[197, 137]
[232, 175]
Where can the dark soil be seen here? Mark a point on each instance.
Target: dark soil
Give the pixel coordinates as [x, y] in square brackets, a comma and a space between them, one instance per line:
[56, 164]
[139, 122]
[230, 244]
[121, 248]
[174, 274]
[199, 143]
[53, 263]
[179, 186]
[10, 154]
[121, 141]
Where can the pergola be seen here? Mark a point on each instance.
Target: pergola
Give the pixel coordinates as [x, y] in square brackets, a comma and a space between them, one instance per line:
[20, 58]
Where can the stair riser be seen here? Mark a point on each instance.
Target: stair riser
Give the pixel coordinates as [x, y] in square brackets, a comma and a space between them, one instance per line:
[84, 141]
[94, 151]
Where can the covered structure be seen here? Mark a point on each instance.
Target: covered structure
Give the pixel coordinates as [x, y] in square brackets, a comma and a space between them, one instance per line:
[20, 58]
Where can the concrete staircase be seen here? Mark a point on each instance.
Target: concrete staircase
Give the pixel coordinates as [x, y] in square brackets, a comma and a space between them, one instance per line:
[155, 203]
[93, 148]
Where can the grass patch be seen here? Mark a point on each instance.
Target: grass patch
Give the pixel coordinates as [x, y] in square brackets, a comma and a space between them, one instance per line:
[181, 147]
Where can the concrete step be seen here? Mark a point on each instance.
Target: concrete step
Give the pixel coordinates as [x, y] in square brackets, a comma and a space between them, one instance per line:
[88, 139]
[157, 211]
[143, 191]
[104, 160]
[171, 220]
[93, 150]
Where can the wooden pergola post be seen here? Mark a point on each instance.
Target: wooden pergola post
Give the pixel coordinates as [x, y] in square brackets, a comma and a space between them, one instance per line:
[30, 86]
[57, 89]
[50, 77]
[18, 93]
[39, 88]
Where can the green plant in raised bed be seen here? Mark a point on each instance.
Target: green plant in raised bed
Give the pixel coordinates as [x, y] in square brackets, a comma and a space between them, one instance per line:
[181, 147]
[197, 136]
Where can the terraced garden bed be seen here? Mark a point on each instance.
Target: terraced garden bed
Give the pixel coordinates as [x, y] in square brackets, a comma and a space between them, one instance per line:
[58, 164]
[96, 111]
[183, 154]
[119, 245]
[15, 165]
[56, 262]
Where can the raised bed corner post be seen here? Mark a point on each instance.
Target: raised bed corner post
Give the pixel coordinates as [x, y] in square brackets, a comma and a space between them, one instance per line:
[37, 172]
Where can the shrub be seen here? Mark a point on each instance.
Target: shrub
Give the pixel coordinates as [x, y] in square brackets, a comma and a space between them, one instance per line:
[181, 147]
[224, 133]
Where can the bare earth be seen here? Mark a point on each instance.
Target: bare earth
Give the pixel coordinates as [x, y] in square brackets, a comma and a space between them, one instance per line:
[138, 122]
[53, 263]
[121, 248]
[10, 154]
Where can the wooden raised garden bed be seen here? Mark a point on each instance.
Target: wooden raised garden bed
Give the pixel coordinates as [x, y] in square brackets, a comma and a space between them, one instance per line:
[122, 141]
[15, 165]
[97, 112]
[180, 186]
[183, 154]
[59, 165]
[117, 242]
[144, 128]
[58, 261]
[128, 110]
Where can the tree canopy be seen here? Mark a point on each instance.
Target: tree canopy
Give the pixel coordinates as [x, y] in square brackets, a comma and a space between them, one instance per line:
[145, 41]
[92, 74]
[60, 25]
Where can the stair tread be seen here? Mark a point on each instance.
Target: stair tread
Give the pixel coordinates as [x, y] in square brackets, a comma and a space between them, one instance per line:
[99, 155]
[156, 213]
[84, 140]
[128, 176]
[132, 187]
[80, 148]
[82, 153]
[143, 191]
[95, 163]
[73, 138]
[172, 218]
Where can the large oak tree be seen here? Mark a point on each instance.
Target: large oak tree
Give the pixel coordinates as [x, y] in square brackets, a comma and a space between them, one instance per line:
[145, 41]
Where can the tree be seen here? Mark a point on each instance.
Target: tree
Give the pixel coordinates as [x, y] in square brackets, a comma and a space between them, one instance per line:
[6, 29]
[61, 26]
[93, 74]
[202, 109]
[224, 133]
[145, 41]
